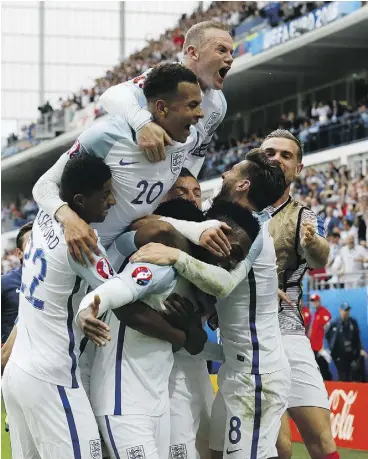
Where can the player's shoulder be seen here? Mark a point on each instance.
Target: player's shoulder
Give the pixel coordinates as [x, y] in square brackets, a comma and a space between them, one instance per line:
[102, 135]
[49, 233]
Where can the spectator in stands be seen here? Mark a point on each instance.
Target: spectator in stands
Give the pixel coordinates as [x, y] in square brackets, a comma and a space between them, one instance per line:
[331, 220]
[343, 338]
[350, 264]
[319, 322]
[10, 285]
[348, 229]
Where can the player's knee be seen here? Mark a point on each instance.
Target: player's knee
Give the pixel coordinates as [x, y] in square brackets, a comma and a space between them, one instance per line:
[284, 446]
[326, 442]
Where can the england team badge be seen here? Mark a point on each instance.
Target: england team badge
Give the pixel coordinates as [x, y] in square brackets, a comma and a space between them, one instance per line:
[142, 275]
[177, 159]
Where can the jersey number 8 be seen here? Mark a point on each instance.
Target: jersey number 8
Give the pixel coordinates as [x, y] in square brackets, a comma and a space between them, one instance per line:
[34, 255]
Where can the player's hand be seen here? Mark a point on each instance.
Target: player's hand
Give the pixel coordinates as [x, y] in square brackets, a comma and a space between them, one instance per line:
[157, 254]
[180, 312]
[196, 339]
[215, 240]
[152, 139]
[93, 328]
[284, 297]
[308, 233]
[80, 238]
[363, 353]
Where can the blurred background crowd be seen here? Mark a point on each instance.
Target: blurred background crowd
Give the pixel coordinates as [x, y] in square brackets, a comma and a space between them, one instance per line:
[56, 117]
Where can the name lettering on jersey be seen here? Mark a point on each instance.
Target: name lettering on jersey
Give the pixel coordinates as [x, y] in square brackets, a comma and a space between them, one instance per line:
[177, 160]
[45, 223]
[95, 449]
[211, 123]
[142, 275]
[104, 269]
[179, 451]
[136, 452]
[74, 149]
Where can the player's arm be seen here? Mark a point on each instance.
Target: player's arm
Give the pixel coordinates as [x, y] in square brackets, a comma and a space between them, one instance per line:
[6, 350]
[141, 317]
[314, 246]
[128, 99]
[79, 236]
[208, 234]
[211, 279]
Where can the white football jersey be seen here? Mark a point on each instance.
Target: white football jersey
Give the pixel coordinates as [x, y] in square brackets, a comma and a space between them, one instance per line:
[48, 343]
[248, 317]
[138, 185]
[213, 105]
[130, 374]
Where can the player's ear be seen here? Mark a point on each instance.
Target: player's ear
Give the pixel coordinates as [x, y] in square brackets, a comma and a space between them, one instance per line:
[161, 108]
[78, 201]
[192, 53]
[243, 185]
[299, 168]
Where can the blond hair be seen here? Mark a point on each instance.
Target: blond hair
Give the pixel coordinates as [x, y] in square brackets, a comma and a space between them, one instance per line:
[195, 35]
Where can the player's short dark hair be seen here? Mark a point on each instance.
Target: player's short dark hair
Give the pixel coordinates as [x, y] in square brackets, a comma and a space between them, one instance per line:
[335, 234]
[236, 216]
[186, 173]
[83, 174]
[21, 233]
[164, 79]
[267, 180]
[284, 134]
[181, 209]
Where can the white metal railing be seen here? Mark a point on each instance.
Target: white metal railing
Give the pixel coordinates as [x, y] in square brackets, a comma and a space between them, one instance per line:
[325, 281]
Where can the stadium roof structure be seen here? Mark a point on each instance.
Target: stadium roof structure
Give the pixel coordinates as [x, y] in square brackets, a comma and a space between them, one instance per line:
[309, 60]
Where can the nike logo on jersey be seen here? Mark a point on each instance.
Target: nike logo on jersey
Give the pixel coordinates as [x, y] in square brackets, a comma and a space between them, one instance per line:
[233, 451]
[127, 163]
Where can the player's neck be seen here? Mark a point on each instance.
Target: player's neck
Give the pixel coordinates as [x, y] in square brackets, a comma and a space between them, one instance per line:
[283, 198]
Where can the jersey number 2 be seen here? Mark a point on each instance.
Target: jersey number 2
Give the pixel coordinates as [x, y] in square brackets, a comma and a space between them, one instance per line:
[151, 195]
[34, 255]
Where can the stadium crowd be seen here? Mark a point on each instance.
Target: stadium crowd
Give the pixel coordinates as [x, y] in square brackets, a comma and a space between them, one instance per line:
[167, 48]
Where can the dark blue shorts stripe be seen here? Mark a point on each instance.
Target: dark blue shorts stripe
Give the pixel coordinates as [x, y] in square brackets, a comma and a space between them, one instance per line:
[257, 416]
[118, 360]
[112, 441]
[71, 333]
[71, 423]
[252, 321]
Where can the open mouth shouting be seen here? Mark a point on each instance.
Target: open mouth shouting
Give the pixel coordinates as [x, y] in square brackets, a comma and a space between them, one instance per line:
[223, 72]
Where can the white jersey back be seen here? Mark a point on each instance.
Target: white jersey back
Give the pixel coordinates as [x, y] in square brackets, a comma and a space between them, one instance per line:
[214, 107]
[248, 317]
[138, 185]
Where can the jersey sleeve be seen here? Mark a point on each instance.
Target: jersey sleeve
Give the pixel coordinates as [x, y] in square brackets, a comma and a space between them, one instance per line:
[309, 215]
[133, 283]
[95, 274]
[47, 188]
[122, 247]
[128, 100]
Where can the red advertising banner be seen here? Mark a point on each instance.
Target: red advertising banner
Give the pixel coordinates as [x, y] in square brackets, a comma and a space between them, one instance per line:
[349, 408]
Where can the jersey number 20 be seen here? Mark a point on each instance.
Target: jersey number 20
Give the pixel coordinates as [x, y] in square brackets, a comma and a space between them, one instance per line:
[34, 255]
[149, 196]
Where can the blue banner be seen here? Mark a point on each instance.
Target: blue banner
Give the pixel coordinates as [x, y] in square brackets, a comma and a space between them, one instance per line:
[271, 37]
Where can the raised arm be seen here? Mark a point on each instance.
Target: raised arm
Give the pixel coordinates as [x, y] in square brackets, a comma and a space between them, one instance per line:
[128, 100]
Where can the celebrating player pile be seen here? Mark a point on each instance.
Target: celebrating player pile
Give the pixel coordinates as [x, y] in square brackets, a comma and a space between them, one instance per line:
[167, 268]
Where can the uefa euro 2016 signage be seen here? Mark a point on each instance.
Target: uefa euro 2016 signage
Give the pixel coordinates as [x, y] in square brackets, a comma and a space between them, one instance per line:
[271, 37]
[293, 29]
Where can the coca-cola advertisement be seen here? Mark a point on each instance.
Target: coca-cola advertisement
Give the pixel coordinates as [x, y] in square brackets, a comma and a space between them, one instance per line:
[348, 405]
